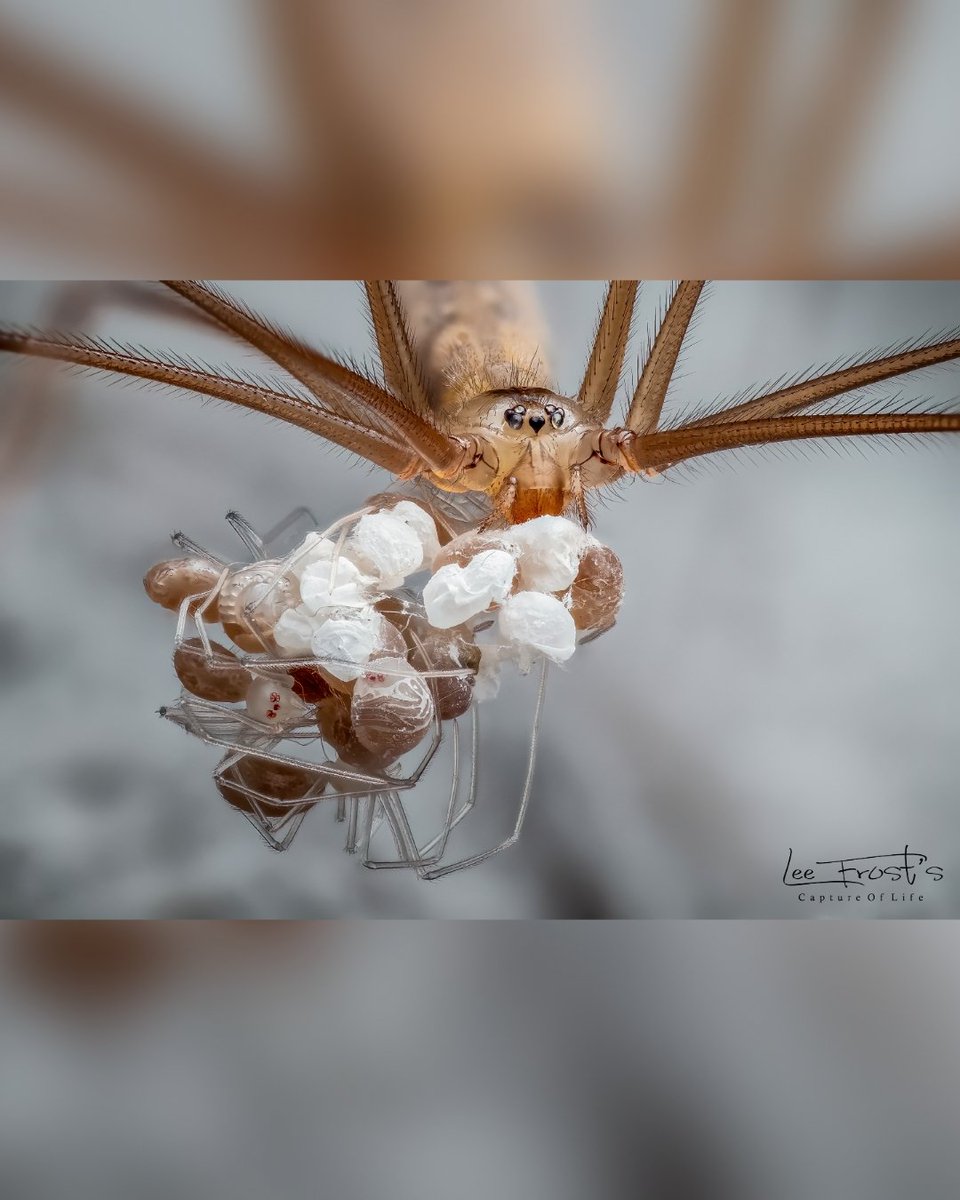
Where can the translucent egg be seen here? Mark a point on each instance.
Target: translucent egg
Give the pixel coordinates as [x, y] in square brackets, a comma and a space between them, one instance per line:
[468, 545]
[445, 650]
[597, 591]
[392, 708]
[270, 780]
[219, 677]
[335, 723]
[274, 702]
[169, 583]
[252, 600]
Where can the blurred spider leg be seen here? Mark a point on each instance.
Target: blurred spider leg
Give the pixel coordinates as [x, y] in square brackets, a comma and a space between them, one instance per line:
[476, 859]
[341, 808]
[115, 126]
[715, 147]
[816, 154]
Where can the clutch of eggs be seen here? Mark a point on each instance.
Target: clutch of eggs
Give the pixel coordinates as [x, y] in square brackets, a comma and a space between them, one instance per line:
[328, 605]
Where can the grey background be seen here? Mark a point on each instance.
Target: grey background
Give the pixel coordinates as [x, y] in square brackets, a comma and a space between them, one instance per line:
[535, 1063]
[784, 672]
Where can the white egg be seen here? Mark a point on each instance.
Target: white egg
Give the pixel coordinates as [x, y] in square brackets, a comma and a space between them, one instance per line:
[386, 547]
[550, 552]
[423, 526]
[334, 583]
[538, 623]
[293, 633]
[345, 643]
[454, 593]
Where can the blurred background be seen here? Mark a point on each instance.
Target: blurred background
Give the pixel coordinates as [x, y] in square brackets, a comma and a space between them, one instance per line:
[549, 1062]
[552, 138]
[783, 673]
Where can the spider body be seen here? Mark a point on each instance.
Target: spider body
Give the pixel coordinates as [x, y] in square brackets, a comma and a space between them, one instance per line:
[464, 396]
[523, 449]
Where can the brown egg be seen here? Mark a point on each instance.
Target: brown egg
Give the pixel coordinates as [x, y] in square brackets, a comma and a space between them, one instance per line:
[169, 583]
[336, 725]
[245, 639]
[251, 601]
[465, 547]
[310, 684]
[397, 611]
[392, 708]
[220, 677]
[445, 650]
[272, 781]
[383, 501]
[597, 592]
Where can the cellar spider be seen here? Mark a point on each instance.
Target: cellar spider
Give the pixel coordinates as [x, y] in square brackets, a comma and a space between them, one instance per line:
[463, 404]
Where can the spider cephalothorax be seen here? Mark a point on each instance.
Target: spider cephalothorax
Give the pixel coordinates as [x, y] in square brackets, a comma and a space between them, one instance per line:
[489, 421]
[523, 446]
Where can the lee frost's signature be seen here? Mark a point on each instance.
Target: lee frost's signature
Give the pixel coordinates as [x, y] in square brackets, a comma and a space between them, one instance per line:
[903, 866]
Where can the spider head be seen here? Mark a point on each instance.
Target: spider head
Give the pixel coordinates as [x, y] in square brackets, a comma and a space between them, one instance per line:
[527, 413]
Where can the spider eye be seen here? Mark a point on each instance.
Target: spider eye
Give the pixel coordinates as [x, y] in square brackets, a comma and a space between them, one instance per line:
[514, 416]
[556, 417]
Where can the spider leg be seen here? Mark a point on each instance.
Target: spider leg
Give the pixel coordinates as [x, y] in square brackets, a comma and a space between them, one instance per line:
[824, 387]
[114, 126]
[602, 377]
[473, 861]
[344, 392]
[714, 150]
[502, 509]
[379, 448]
[579, 495]
[401, 370]
[816, 153]
[651, 391]
[660, 450]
